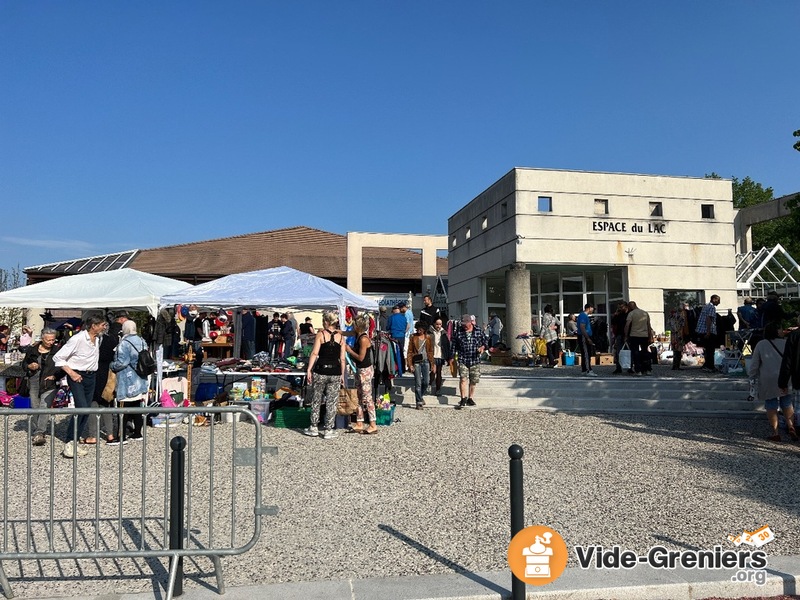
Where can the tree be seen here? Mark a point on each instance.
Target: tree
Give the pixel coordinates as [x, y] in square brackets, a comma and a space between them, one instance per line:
[8, 281]
[797, 143]
[747, 192]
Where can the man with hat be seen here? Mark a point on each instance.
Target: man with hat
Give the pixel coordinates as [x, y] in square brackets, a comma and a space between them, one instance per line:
[469, 343]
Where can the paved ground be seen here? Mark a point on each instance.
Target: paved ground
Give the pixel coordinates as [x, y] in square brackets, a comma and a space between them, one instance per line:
[423, 506]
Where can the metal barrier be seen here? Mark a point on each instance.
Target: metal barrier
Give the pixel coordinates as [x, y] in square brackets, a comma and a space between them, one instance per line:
[101, 505]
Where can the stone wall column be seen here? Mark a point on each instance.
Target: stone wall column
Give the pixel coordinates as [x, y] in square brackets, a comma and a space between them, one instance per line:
[518, 304]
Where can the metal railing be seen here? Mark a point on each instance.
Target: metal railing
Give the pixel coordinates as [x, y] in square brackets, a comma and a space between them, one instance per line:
[115, 501]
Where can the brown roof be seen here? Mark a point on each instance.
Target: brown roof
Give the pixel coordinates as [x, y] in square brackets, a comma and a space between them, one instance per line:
[314, 251]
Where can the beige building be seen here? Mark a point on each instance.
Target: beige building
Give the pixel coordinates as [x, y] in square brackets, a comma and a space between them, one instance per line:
[565, 238]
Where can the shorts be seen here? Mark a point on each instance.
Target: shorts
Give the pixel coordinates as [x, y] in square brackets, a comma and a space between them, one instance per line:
[473, 373]
[783, 401]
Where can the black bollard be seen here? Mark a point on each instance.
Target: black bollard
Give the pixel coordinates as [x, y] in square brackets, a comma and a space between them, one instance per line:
[177, 502]
[515, 452]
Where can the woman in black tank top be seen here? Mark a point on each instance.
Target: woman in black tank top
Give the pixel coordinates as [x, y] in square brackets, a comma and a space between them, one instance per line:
[326, 375]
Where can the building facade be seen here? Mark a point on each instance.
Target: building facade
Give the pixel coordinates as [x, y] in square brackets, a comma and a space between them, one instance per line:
[565, 238]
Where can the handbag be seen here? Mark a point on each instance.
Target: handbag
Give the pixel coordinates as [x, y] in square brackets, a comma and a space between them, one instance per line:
[348, 401]
[110, 388]
[625, 357]
[540, 346]
[416, 359]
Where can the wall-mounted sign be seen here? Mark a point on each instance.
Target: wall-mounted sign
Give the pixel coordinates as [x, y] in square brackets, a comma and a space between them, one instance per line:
[629, 227]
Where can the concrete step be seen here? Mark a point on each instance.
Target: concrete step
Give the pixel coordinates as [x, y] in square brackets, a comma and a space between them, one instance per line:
[720, 395]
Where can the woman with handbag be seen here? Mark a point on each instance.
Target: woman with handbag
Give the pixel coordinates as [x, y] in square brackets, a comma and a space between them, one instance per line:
[326, 374]
[420, 361]
[131, 389]
[765, 365]
[362, 357]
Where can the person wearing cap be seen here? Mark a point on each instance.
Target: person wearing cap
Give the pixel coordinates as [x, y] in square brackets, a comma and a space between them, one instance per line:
[469, 343]
[397, 324]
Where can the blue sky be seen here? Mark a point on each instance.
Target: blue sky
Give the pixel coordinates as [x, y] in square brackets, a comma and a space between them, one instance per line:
[141, 124]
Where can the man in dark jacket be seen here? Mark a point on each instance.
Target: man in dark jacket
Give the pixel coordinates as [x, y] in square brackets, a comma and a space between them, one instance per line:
[441, 354]
[287, 335]
[790, 365]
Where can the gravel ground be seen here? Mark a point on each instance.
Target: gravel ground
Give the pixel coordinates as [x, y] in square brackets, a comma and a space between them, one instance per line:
[427, 495]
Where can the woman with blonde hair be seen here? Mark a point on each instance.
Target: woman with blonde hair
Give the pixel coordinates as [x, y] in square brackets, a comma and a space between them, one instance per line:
[362, 357]
[420, 361]
[326, 374]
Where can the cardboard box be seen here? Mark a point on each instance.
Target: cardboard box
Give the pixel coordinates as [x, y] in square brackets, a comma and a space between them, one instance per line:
[605, 359]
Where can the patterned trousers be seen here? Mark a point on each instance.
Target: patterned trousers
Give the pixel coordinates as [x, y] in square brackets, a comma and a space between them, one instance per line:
[327, 387]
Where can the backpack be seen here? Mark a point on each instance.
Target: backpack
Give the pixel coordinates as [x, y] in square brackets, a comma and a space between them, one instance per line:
[146, 364]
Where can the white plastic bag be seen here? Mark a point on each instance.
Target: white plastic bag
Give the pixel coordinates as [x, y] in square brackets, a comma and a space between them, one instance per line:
[625, 357]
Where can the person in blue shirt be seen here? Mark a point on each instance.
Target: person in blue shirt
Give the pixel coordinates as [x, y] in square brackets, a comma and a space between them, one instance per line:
[397, 325]
[585, 344]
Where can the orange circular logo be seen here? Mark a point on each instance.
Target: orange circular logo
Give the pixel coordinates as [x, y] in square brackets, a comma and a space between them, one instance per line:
[537, 555]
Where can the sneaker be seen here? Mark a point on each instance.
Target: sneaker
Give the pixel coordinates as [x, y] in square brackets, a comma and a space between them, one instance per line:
[137, 437]
[38, 440]
[311, 431]
[73, 448]
[462, 404]
[590, 374]
[330, 434]
[470, 402]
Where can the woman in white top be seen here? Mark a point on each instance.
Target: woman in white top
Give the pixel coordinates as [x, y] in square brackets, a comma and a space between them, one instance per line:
[765, 365]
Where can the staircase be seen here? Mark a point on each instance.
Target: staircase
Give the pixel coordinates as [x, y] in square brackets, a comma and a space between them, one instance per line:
[713, 396]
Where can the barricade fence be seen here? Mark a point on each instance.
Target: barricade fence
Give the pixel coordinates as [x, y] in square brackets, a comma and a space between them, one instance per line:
[113, 501]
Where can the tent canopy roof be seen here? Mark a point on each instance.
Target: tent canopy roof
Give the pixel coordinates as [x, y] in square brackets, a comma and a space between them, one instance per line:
[123, 288]
[279, 287]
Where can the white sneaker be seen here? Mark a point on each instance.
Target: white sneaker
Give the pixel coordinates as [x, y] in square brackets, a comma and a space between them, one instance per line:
[330, 434]
[312, 431]
[73, 448]
[590, 374]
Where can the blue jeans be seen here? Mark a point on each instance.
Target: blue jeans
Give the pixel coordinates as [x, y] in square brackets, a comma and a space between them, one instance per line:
[422, 374]
[288, 347]
[82, 394]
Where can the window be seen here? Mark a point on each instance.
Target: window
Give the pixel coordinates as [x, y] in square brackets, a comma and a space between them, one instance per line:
[453, 242]
[707, 211]
[504, 210]
[468, 234]
[485, 223]
[656, 210]
[545, 204]
[600, 207]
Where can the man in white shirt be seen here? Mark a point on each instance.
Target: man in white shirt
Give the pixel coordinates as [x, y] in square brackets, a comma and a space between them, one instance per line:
[78, 358]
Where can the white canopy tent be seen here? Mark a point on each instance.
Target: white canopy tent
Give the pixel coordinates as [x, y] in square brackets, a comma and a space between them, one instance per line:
[279, 287]
[123, 288]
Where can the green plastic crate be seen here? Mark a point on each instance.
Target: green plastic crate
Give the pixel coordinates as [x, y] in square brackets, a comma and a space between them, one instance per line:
[291, 417]
[384, 417]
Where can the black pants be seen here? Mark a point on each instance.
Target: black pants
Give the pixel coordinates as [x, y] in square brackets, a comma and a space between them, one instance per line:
[553, 352]
[708, 344]
[640, 355]
[586, 348]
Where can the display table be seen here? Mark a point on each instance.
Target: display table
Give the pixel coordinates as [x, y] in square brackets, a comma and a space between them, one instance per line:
[225, 379]
[215, 350]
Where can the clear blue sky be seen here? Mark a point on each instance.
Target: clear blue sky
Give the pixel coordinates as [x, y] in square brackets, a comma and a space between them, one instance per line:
[141, 124]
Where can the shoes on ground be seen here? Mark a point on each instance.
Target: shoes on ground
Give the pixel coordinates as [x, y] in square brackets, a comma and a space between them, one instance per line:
[38, 440]
[312, 431]
[420, 406]
[616, 371]
[470, 402]
[371, 430]
[774, 438]
[590, 373]
[330, 434]
[462, 404]
[135, 437]
[73, 449]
